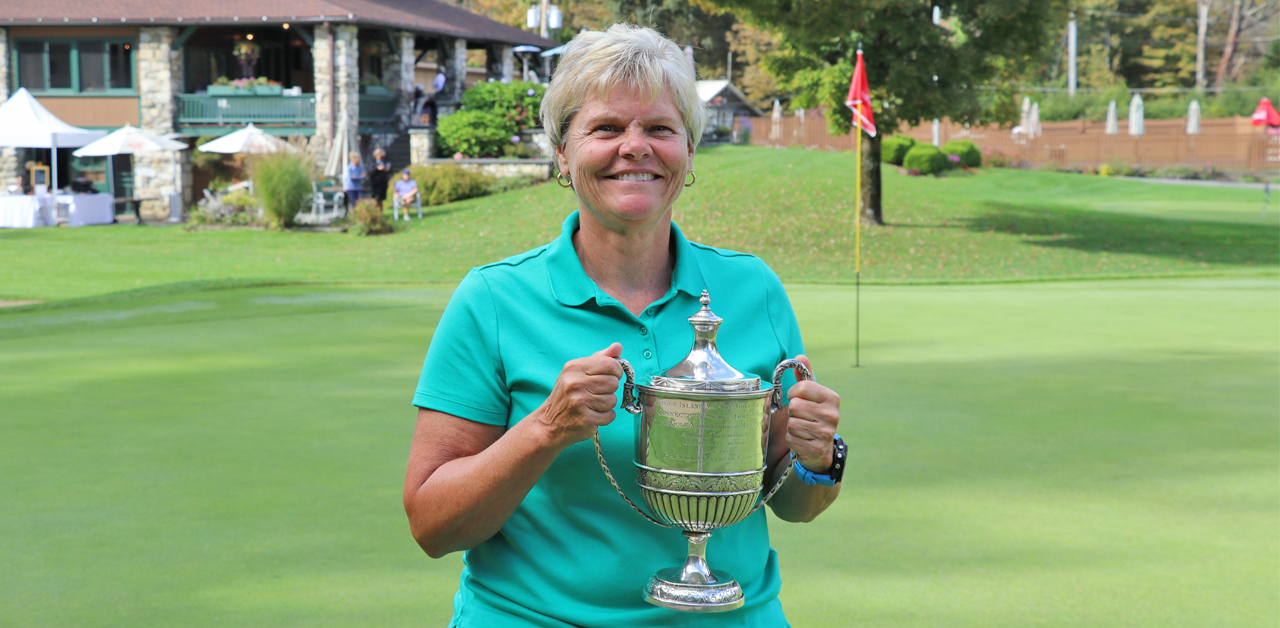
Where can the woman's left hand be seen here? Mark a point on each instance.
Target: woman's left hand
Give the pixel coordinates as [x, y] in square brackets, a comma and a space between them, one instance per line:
[814, 413]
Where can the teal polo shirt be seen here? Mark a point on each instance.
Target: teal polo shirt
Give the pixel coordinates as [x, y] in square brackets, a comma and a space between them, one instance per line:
[573, 553]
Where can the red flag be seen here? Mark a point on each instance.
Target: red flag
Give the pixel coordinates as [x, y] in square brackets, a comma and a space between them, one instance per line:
[1266, 114]
[859, 93]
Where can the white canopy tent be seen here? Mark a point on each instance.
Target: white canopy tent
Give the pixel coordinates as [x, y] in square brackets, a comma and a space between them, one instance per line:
[25, 123]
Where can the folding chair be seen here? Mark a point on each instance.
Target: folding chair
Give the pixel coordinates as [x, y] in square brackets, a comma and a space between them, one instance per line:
[395, 207]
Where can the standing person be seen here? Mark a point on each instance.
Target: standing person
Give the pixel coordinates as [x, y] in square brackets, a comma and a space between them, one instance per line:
[522, 371]
[353, 179]
[380, 177]
[437, 92]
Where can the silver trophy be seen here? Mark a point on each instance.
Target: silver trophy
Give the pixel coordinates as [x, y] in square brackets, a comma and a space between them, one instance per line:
[702, 432]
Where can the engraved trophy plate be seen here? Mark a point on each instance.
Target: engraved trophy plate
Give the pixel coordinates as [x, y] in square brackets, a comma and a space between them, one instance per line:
[702, 433]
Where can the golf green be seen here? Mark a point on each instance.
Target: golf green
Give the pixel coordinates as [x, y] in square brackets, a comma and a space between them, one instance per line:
[1061, 454]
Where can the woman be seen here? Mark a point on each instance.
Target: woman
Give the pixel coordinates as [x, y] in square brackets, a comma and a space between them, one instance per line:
[522, 371]
[353, 179]
[380, 178]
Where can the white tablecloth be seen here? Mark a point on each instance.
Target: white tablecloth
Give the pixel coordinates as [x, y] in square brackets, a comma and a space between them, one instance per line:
[21, 211]
[89, 209]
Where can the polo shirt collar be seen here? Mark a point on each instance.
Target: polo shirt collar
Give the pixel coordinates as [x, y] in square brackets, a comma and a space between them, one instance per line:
[571, 286]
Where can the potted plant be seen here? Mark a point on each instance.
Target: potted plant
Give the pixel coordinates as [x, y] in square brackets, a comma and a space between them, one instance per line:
[247, 53]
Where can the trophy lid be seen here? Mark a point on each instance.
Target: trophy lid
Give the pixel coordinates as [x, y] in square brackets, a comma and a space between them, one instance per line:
[703, 369]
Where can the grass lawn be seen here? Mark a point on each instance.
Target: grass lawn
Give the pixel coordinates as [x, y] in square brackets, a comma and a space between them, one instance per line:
[791, 207]
[210, 428]
[1061, 454]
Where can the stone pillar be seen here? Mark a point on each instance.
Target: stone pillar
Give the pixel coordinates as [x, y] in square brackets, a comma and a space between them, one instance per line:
[159, 79]
[455, 75]
[422, 143]
[322, 73]
[10, 168]
[346, 80]
[397, 66]
[508, 64]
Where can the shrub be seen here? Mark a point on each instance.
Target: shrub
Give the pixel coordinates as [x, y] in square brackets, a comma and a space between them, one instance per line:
[518, 102]
[1105, 170]
[722, 132]
[475, 133]
[368, 219]
[447, 183]
[997, 159]
[893, 149]
[926, 158]
[282, 182]
[970, 155]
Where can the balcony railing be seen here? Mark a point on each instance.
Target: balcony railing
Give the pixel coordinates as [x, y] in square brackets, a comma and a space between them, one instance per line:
[378, 108]
[199, 109]
[202, 109]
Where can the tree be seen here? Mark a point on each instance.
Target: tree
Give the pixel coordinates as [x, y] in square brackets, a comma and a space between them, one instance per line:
[962, 69]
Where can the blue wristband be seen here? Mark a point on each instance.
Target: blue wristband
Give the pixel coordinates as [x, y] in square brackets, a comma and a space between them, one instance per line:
[810, 478]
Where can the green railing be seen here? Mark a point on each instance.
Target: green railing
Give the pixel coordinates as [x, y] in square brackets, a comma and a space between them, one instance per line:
[378, 109]
[195, 109]
[202, 109]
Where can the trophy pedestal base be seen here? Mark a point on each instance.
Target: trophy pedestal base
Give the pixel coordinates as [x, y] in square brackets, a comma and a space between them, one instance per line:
[666, 590]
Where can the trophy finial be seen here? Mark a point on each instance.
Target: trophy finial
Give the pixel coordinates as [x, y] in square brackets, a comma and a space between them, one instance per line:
[705, 300]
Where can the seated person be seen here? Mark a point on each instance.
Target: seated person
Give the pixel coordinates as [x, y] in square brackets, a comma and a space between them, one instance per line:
[406, 192]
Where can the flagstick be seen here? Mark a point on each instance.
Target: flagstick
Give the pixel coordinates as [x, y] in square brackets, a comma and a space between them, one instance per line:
[857, 248]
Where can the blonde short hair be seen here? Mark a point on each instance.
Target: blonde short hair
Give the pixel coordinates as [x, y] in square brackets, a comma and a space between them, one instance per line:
[595, 63]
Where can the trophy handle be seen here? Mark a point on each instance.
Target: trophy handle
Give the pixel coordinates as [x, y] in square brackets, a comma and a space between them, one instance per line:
[632, 405]
[775, 402]
[629, 401]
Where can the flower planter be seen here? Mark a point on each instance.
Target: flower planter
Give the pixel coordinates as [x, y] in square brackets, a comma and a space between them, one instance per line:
[268, 90]
[227, 90]
[375, 90]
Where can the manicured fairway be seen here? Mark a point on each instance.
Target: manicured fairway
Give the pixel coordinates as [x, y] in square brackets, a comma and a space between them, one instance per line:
[1060, 454]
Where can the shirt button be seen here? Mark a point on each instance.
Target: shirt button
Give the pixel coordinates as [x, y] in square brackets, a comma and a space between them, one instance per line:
[648, 354]
[649, 311]
[644, 331]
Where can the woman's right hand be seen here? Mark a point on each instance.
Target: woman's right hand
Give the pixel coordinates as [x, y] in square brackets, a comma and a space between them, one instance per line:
[583, 398]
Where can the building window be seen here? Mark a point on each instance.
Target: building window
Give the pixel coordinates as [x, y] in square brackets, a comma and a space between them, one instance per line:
[85, 65]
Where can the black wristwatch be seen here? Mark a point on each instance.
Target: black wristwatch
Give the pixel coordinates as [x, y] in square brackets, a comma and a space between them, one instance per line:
[833, 476]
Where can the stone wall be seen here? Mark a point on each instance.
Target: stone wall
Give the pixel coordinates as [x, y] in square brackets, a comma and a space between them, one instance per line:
[10, 168]
[422, 145]
[500, 168]
[157, 175]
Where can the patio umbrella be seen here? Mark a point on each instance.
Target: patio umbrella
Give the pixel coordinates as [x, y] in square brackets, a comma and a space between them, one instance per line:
[775, 129]
[1113, 127]
[1265, 114]
[1024, 120]
[1193, 118]
[130, 140]
[1034, 120]
[336, 165]
[1136, 124]
[250, 140]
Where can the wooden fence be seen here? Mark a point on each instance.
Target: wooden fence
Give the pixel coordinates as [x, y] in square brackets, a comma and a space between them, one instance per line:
[1223, 143]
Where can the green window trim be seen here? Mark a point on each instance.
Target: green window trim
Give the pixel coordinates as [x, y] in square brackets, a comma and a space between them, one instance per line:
[130, 44]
